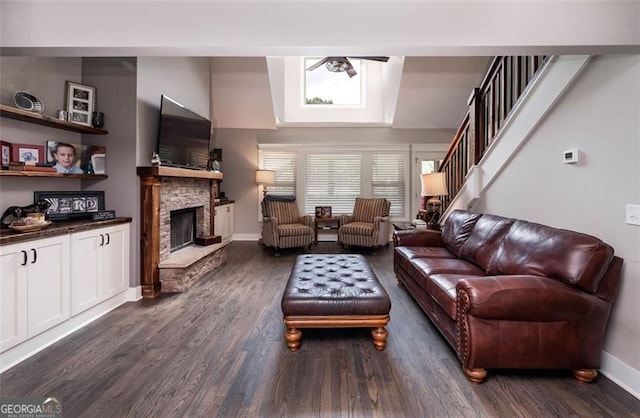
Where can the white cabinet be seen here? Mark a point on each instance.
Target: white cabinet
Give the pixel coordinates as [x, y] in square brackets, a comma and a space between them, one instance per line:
[223, 222]
[100, 266]
[34, 288]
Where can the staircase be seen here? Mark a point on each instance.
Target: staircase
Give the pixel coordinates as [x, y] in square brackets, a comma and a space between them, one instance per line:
[514, 96]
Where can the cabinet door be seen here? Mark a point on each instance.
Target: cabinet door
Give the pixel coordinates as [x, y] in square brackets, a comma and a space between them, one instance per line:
[115, 266]
[48, 283]
[85, 270]
[229, 227]
[13, 295]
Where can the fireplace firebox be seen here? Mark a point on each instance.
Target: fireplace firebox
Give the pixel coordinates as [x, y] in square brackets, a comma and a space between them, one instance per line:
[183, 228]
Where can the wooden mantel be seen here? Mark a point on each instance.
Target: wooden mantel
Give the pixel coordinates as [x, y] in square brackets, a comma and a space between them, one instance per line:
[162, 171]
[150, 185]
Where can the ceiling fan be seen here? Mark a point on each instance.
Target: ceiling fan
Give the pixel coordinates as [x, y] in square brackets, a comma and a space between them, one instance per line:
[342, 64]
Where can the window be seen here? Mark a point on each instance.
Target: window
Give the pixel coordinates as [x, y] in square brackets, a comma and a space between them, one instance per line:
[284, 164]
[333, 180]
[323, 87]
[387, 180]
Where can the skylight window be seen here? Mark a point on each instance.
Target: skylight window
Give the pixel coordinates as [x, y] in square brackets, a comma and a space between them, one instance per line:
[326, 88]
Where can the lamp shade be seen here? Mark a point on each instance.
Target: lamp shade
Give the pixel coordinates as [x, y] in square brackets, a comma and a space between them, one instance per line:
[265, 177]
[434, 184]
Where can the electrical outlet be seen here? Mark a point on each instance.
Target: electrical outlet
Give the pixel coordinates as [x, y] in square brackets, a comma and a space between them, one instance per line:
[633, 214]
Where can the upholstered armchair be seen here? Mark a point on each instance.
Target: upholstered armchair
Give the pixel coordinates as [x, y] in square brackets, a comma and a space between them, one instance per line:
[282, 225]
[368, 226]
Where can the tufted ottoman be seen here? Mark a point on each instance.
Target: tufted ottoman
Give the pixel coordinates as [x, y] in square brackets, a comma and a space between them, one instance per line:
[334, 291]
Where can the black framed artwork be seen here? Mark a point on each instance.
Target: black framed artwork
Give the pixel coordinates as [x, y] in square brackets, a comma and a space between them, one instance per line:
[71, 205]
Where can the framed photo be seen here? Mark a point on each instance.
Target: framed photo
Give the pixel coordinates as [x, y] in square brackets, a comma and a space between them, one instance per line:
[323, 211]
[27, 153]
[80, 102]
[71, 205]
[5, 147]
[87, 159]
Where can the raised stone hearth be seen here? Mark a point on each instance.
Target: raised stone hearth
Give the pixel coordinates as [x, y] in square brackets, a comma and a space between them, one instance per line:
[185, 267]
[162, 190]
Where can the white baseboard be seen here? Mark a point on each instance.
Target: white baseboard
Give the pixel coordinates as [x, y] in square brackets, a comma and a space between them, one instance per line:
[246, 237]
[621, 374]
[28, 348]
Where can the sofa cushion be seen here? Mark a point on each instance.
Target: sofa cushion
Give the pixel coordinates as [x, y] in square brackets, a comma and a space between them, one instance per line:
[485, 239]
[289, 230]
[442, 289]
[430, 266]
[410, 253]
[457, 229]
[357, 228]
[572, 257]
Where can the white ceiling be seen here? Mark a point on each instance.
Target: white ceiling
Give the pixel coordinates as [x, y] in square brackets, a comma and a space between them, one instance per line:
[433, 92]
[433, 89]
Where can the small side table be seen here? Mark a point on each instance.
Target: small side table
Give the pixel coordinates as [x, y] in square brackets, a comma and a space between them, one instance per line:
[326, 224]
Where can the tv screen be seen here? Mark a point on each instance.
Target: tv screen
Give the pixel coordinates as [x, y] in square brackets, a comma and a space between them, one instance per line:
[183, 136]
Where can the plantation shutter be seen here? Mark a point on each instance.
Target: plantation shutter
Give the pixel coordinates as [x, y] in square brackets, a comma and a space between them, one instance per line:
[388, 180]
[284, 164]
[333, 180]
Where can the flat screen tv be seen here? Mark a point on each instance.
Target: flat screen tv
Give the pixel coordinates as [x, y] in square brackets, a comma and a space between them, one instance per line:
[183, 136]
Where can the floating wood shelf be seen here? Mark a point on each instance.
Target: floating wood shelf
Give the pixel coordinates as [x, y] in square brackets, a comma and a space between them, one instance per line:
[10, 173]
[38, 119]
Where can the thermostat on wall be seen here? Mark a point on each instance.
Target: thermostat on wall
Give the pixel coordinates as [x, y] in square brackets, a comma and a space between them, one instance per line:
[570, 156]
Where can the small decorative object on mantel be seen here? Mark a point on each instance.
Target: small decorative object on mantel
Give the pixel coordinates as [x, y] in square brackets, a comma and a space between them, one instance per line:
[155, 159]
[29, 102]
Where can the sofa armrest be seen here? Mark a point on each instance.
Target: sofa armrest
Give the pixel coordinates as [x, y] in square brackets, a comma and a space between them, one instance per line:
[417, 238]
[306, 220]
[523, 298]
[346, 218]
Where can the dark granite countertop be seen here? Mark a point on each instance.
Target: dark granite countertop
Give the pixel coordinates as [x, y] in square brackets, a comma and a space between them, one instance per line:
[9, 236]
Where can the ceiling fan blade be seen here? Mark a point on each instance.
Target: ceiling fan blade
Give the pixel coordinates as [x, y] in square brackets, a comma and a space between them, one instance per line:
[381, 59]
[350, 71]
[317, 64]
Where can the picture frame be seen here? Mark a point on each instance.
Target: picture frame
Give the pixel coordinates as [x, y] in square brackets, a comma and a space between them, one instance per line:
[71, 205]
[80, 102]
[323, 212]
[85, 154]
[5, 148]
[27, 153]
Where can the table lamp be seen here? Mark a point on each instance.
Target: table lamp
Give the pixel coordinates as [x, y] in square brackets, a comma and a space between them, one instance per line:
[434, 185]
[265, 178]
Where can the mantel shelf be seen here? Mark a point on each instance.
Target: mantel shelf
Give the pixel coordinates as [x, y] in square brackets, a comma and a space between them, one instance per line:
[162, 171]
[38, 119]
[10, 173]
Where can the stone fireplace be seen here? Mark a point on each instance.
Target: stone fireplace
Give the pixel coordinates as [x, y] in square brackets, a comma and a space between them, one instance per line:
[166, 191]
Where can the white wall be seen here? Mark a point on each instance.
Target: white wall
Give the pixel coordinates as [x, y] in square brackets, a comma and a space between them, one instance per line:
[600, 116]
[184, 79]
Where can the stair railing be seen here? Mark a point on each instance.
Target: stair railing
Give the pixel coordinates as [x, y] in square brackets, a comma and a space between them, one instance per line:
[489, 108]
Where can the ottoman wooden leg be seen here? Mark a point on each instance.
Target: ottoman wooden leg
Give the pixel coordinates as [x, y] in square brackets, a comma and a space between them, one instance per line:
[379, 338]
[293, 337]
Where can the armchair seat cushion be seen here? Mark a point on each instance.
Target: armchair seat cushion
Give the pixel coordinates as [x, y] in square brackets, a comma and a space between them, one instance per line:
[289, 230]
[358, 228]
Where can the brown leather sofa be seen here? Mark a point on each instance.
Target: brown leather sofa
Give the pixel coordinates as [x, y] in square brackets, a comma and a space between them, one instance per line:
[511, 294]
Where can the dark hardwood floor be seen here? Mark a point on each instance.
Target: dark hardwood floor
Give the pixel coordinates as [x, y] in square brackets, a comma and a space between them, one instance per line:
[219, 350]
